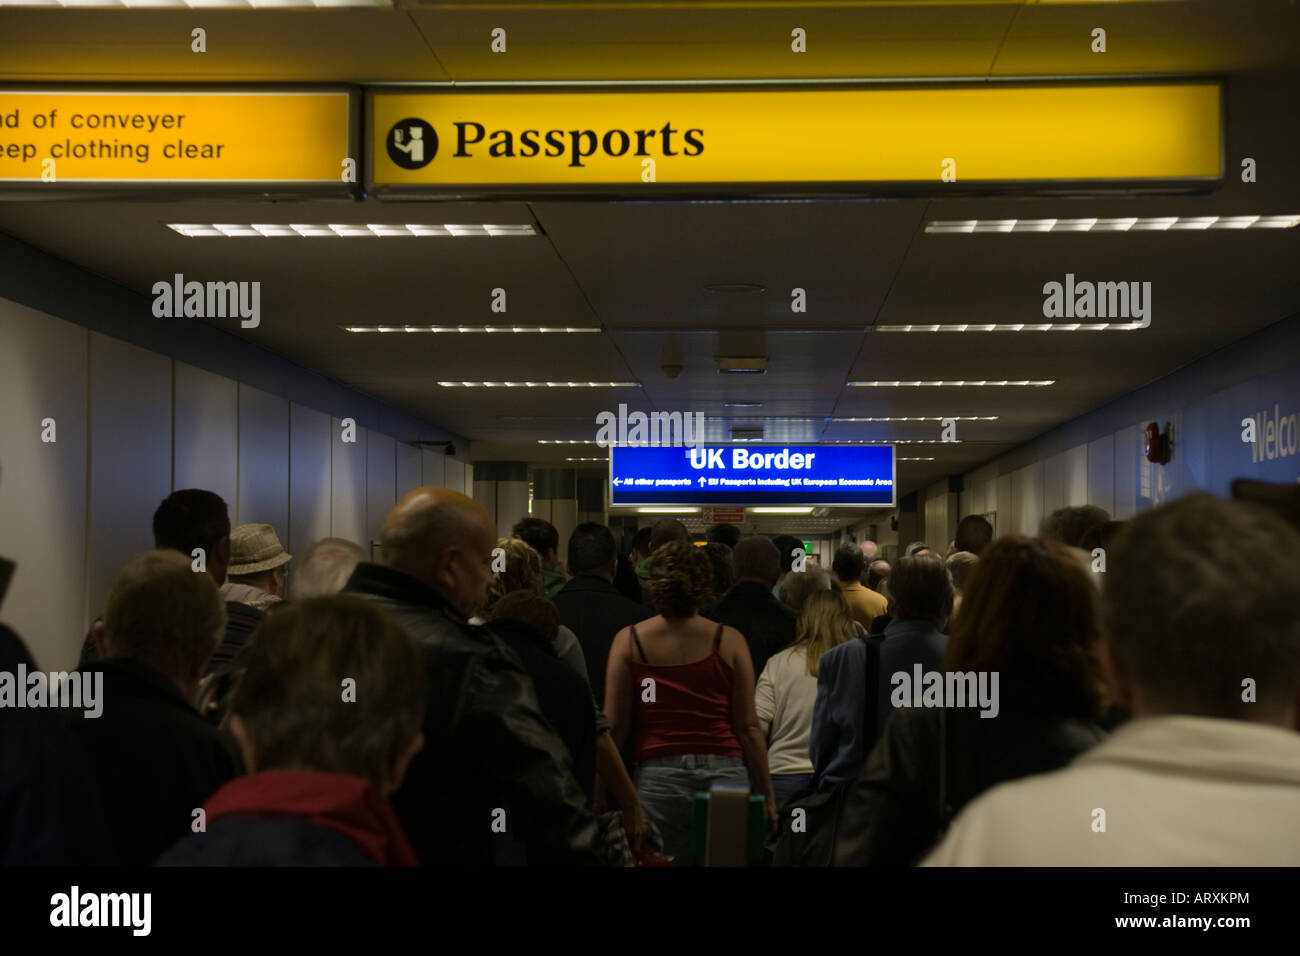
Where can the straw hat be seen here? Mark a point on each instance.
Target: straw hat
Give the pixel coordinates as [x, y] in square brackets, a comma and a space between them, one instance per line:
[254, 548]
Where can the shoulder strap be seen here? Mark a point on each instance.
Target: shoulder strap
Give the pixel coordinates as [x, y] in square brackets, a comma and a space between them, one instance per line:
[637, 641]
[945, 811]
[871, 691]
[717, 639]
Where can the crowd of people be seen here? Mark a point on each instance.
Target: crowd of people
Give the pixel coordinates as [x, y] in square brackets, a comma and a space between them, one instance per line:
[470, 700]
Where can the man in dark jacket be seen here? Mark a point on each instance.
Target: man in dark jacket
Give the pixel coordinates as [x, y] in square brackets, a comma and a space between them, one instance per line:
[490, 760]
[528, 623]
[155, 760]
[749, 607]
[49, 808]
[589, 605]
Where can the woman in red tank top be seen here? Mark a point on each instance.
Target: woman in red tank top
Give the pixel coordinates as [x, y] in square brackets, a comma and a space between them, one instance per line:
[689, 685]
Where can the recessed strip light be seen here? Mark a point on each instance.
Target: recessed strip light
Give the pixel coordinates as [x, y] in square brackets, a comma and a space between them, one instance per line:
[468, 329]
[921, 418]
[540, 384]
[668, 511]
[586, 459]
[228, 230]
[205, 4]
[567, 441]
[1124, 224]
[780, 511]
[947, 384]
[742, 404]
[914, 459]
[1020, 327]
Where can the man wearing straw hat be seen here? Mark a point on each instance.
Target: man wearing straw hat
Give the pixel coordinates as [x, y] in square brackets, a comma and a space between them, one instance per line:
[256, 573]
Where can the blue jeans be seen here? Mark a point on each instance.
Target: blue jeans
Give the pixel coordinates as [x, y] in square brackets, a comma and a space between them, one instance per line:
[667, 788]
[786, 785]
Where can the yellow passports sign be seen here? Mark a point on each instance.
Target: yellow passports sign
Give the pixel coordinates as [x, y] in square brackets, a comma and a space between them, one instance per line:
[174, 137]
[980, 133]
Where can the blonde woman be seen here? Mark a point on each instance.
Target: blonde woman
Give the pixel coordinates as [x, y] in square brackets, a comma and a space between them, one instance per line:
[787, 691]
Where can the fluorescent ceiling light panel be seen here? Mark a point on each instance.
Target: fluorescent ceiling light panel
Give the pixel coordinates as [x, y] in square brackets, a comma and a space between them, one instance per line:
[1019, 327]
[972, 227]
[228, 230]
[960, 383]
[921, 418]
[668, 511]
[780, 511]
[465, 329]
[540, 384]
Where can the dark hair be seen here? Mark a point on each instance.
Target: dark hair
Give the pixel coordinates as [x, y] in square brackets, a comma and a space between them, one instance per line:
[727, 534]
[189, 519]
[848, 563]
[874, 577]
[291, 693]
[1101, 536]
[786, 545]
[666, 530]
[532, 610]
[724, 570]
[1199, 595]
[681, 580]
[916, 546]
[1030, 613]
[920, 586]
[1073, 526]
[539, 533]
[641, 541]
[973, 534]
[591, 549]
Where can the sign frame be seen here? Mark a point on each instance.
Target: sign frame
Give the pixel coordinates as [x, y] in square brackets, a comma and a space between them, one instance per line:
[795, 189]
[791, 502]
[182, 190]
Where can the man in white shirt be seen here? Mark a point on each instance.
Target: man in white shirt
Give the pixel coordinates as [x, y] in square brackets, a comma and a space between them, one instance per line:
[1204, 649]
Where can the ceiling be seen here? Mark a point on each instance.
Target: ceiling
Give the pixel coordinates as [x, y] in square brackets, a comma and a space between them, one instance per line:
[641, 271]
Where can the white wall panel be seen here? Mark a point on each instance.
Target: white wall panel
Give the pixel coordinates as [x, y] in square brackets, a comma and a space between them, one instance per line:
[1126, 473]
[1027, 499]
[43, 484]
[459, 477]
[1053, 483]
[433, 468]
[263, 460]
[408, 469]
[381, 482]
[1076, 476]
[310, 502]
[348, 496]
[1101, 473]
[130, 456]
[206, 433]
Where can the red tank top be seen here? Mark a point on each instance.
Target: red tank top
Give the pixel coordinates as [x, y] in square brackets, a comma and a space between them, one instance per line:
[691, 712]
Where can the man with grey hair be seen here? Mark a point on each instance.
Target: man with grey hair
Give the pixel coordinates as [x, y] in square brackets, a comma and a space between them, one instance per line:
[1202, 645]
[488, 750]
[325, 567]
[750, 607]
[153, 757]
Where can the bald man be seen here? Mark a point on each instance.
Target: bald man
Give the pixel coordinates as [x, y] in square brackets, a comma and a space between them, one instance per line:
[493, 784]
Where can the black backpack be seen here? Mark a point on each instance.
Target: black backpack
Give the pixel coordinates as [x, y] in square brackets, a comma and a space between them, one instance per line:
[814, 843]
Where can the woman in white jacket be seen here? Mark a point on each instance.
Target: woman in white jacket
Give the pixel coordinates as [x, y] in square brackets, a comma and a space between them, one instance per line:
[787, 691]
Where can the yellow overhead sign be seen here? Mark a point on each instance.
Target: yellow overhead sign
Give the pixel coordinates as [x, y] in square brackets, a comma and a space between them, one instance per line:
[974, 133]
[174, 137]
